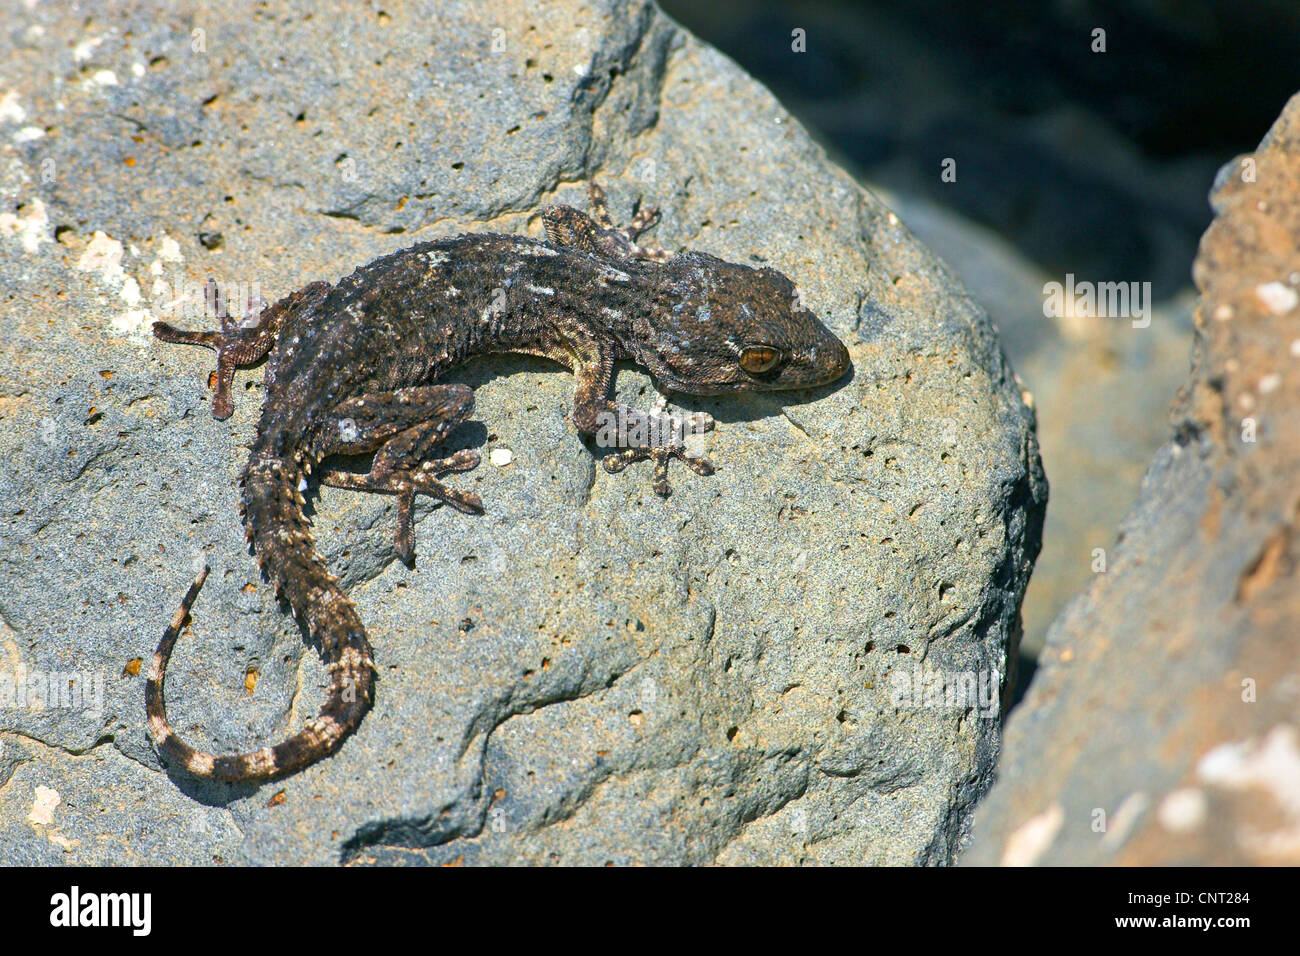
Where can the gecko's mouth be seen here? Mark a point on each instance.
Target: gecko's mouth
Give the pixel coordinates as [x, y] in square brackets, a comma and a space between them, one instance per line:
[823, 372]
[822, 364]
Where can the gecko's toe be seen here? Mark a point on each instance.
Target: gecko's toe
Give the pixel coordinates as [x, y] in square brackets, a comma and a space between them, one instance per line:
[699, 465]
[222, 406]
[169, 333]
[464, 460]
[616, 462]
[466, 502]
[404, 533]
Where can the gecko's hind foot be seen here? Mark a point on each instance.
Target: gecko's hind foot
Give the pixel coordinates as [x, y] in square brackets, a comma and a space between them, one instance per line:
[660, 456]
[405, 483]
[238, 343]
[422, 480]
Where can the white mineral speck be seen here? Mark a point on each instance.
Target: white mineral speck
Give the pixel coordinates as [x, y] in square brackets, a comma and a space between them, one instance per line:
[42, 811]
[31, 228]
[1277, 297]
[1183, 810]
[86, 48]
[170, 250]
[10, 109]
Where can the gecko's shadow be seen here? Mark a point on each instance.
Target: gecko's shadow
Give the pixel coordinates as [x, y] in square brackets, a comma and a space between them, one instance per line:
[213, 793]
[749, 406]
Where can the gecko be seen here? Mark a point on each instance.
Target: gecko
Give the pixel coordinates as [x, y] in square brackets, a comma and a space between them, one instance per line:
[352, 369]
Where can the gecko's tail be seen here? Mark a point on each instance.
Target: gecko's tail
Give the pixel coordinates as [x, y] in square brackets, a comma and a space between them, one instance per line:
[282, 540]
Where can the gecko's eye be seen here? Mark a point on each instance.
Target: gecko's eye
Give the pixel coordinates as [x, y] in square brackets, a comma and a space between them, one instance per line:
[757, 359]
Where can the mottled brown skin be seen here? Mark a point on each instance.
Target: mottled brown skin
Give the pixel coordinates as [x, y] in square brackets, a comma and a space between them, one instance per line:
[349, 372]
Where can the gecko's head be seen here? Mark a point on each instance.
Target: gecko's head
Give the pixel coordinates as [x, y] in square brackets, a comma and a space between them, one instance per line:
[730, 328]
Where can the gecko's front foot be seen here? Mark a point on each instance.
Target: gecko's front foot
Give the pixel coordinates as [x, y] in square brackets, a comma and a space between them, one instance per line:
[660, 456]
[596, 232]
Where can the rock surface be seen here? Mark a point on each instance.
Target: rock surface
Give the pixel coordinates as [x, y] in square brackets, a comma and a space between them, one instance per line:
[585, 674]
[1101, 390]
[1161, 728]
[1067, 161]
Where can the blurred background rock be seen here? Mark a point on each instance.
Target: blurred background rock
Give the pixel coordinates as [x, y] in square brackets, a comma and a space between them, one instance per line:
[1068, 160]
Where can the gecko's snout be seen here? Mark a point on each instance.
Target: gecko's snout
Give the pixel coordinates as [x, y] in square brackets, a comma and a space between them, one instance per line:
[823, 362]
[841, 361]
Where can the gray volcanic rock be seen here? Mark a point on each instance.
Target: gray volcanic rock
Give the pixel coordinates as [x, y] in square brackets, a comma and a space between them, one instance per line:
[1161, 727]
[1100, 388]
[585, 674]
